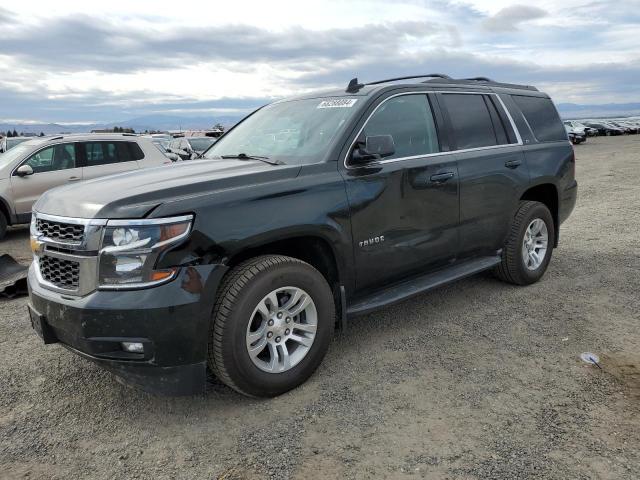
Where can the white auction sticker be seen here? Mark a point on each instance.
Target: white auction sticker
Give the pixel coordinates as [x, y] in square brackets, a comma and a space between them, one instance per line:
[338, 103]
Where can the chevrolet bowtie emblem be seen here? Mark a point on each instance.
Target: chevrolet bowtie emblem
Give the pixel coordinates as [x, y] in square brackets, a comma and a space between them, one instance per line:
[37, 247]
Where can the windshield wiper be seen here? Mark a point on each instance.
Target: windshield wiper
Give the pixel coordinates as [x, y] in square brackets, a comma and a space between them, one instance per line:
[244, 156]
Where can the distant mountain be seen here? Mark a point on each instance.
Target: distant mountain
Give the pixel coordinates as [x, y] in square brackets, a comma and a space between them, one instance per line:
[168, 122]
[573, 110]
[139, 124]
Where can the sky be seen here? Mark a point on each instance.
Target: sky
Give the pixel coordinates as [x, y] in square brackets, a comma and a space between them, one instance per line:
[83, 62]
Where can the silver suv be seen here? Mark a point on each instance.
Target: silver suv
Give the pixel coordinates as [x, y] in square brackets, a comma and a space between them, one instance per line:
[35, 166]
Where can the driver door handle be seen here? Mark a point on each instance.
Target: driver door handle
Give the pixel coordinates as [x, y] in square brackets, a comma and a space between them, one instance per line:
[74, 179]
[441, 177]
[513, 163]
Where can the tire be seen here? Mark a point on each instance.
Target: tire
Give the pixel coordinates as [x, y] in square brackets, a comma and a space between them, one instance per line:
[3, 225]
[513, 268]
[236, 316]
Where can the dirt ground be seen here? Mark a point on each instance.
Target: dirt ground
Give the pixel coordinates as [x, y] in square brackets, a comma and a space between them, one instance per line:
[477, 380]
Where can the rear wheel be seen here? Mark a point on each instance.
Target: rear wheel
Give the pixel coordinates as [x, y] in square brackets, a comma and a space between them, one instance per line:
[528, 249]
[3, 225]
[271, 325]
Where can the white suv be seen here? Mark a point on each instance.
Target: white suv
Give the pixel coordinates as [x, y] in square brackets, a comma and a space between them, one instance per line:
[35, 166]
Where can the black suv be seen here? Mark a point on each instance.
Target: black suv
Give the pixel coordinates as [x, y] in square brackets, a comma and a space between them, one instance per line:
[310, 210]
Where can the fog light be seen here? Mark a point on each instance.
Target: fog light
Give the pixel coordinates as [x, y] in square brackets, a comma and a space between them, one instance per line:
[133, 347]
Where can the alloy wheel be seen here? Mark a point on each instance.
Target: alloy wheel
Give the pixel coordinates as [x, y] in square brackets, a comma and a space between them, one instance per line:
[281, 329]
[535, 244]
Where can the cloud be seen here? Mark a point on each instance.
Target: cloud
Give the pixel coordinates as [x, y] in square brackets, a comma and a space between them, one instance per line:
[6, 17]
[80, 43]
[508, 19]
[120, 64]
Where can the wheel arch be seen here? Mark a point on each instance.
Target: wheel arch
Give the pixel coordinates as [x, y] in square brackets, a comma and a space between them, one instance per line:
[311, 247]
[546, 193]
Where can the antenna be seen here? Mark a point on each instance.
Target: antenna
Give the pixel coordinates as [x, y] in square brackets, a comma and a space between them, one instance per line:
[354, 86]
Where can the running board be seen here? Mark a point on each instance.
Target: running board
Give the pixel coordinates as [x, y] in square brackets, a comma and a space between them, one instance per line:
[408, 288]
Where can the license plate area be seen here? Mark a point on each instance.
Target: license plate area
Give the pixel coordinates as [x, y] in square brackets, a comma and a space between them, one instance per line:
[41, 327]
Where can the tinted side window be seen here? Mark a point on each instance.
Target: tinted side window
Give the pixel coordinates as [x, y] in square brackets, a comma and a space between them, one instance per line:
[135, 152]
[542, 118]
[103, 153]
[470, 120]
[56, 157]
[408, 119]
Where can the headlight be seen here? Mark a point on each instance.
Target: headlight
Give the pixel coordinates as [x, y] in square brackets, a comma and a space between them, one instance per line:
[130, 250]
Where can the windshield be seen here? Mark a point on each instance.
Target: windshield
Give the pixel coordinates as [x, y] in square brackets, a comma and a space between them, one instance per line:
[201, 144]
[295, 132]
[17, 152]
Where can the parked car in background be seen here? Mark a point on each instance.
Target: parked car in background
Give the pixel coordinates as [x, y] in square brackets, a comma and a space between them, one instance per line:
[39, 164]
[620, 125]
[7, 143]
[382, 191]
[604, 128]
[576, 135]
[163, 146]
[589, 131]
[188, 148]
[629, 127]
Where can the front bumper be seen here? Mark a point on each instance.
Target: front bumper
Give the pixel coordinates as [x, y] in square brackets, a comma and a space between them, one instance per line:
[171, 320]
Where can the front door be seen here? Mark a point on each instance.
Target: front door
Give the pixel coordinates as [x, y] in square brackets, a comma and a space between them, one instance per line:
[52, 166]
[404, 208]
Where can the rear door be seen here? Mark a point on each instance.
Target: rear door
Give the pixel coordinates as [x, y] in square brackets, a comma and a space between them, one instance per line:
[404, 208]
[490, 165]
[102, 158]
[52, 166]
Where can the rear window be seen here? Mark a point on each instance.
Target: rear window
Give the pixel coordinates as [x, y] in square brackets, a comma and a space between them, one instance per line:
[475, 121]
[542, 118]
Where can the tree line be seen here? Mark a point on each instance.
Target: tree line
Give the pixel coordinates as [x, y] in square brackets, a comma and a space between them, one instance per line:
[14, 133]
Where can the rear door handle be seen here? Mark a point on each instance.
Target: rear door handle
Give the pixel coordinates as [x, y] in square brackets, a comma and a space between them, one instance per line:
[441, 177]
[74, 179]
[513, 163]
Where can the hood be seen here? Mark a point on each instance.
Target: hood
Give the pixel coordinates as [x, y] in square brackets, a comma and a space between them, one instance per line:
[135, 194]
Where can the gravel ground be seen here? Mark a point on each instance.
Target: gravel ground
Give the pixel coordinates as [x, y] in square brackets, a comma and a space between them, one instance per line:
[477, 380]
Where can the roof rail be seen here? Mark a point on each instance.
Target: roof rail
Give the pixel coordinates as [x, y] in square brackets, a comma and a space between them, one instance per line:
[354, 86]
[479, 79]
[434, 75]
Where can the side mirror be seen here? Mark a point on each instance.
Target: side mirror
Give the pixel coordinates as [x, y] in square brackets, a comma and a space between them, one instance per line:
[374, 148]
[24, 171]
[168, 150]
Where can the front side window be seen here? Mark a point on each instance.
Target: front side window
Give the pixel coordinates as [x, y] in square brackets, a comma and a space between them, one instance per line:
[54, 158]
[471, 121]
[409, 121]
[293, 132]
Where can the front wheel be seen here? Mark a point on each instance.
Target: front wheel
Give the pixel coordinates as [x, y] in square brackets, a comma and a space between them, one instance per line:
[271, 326]
[528, 249]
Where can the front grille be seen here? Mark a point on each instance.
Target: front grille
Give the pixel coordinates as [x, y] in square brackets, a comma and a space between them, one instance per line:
[61, 273]
[62, 232]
